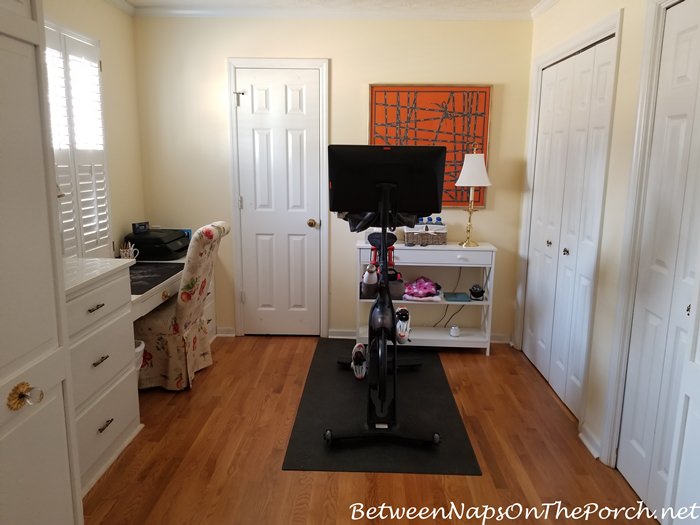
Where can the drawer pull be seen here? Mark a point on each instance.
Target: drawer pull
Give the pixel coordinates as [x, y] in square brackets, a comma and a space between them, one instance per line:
[95, 308]
[104, 427]
[100, 361]
[165, 295]
[24, 394]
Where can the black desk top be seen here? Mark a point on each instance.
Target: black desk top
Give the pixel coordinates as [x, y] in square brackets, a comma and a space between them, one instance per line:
[146, 275]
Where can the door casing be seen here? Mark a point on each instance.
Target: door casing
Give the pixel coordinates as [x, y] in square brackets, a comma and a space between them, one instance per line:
[282, 63]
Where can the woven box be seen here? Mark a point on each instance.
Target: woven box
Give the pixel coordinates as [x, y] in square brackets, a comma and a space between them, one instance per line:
[425, 235]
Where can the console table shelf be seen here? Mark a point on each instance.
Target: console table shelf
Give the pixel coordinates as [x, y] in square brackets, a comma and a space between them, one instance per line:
[482, 257]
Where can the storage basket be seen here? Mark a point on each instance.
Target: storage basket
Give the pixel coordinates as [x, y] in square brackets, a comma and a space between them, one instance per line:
[425, 235]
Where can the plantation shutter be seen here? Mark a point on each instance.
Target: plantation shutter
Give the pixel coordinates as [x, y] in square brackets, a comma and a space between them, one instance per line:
[75, 102]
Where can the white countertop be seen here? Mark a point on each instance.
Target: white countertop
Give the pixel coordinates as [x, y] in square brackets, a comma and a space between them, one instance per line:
[79, 272]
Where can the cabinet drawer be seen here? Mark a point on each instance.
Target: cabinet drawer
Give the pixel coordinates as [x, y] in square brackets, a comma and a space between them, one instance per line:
[436, 257]
[443, 258]
[97, 358]
[98, 303]
[149, 301]
[104, 421]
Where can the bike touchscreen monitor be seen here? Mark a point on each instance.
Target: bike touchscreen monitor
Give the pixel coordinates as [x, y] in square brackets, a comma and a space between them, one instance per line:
[356, 172]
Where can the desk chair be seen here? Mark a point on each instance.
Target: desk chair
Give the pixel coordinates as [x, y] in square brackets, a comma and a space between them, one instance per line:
[175, 333]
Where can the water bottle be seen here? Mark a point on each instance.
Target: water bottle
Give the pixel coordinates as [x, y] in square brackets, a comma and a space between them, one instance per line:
[370, 275]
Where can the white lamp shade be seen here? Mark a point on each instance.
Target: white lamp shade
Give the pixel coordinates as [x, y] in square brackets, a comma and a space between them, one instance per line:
[473, 171]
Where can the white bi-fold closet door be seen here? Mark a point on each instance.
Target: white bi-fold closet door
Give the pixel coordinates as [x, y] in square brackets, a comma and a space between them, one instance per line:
[569, 186]
[666, 298]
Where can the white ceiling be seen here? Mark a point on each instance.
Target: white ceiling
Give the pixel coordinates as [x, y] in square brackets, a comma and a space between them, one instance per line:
[432, 9]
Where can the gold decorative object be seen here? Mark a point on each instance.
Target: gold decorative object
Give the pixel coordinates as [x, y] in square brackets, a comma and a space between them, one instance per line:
[21, 395]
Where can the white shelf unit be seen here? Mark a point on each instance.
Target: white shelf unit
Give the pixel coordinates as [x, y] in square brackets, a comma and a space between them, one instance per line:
[482, 257]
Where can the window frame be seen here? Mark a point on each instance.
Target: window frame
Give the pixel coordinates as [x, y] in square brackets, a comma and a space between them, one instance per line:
[80, 168]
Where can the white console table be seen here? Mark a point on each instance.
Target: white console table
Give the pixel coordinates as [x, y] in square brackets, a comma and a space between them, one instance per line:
[482, 257]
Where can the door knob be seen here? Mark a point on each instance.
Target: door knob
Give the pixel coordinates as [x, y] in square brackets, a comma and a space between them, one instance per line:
[566, 251]
[311, 223]
[24, 394]
[548, 243]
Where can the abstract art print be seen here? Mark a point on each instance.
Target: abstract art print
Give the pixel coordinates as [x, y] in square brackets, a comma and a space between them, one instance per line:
[456, 117]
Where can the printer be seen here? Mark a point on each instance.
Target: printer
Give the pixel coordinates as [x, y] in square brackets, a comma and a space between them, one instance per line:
[159, 245]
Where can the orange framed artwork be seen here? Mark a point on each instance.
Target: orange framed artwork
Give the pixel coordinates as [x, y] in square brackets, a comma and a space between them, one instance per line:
[456, 117]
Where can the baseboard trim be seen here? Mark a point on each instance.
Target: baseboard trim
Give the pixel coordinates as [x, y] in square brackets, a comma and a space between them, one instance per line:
[501, 338]
[591, 440]
[341, 334]
[225, 331]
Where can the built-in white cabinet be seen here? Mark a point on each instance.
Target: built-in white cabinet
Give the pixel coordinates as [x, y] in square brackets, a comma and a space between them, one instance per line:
[37, 450]
[569, 188]
[415, 261]
[102, 361]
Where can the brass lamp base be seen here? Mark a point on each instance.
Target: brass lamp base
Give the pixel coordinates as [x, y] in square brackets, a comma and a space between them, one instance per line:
[469, 243]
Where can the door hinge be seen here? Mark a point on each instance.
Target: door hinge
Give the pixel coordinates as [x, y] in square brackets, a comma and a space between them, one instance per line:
[100, 66]
[243, 297]
[239, 94]
[240, 202]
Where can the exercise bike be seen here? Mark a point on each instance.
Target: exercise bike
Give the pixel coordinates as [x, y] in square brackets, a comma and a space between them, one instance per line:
[382, 423]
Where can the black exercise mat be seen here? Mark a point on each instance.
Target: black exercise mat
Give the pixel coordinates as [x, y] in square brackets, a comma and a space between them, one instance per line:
[334, 399]
[146, 275]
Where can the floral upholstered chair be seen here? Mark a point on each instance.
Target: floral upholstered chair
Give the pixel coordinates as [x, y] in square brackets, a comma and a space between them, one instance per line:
[175, 333]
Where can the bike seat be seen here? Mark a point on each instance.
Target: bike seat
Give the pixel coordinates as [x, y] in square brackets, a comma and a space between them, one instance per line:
[375, 239]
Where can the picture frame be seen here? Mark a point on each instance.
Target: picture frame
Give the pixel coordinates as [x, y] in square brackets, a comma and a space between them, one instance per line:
[454, 116]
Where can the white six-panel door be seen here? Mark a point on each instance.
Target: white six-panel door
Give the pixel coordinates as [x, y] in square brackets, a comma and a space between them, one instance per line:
[667, 285]
[573, 173]
[594, 77]
[279, 157]
[546, 219]
[570, 168]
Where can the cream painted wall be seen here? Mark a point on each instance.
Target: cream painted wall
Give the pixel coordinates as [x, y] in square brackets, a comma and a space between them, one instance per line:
[182, 85]
[114, 30]
[557, 25]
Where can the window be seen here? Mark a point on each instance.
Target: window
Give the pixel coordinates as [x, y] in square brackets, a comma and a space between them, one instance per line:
[75, 104]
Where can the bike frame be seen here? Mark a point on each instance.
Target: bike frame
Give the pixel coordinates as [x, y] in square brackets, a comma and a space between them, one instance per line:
[381, 401]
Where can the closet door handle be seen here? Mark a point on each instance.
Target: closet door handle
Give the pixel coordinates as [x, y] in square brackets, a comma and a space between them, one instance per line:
[548, 243]
[566, 251]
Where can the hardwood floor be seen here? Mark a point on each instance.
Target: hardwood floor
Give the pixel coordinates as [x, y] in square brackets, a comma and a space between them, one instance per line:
[213, 455]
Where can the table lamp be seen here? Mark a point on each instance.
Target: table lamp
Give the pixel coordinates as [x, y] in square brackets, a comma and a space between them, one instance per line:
[473, 174]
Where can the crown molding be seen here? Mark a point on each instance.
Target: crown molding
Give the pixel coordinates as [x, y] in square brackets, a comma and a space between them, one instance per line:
[321, 13]
[123, 5]
[541, 7]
